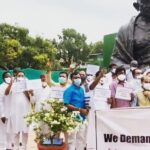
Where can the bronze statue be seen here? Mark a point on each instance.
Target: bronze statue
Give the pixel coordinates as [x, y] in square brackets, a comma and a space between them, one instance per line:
[133, 39]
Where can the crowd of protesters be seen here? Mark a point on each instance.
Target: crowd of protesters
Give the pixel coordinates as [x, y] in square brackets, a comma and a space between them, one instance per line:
[79, 89]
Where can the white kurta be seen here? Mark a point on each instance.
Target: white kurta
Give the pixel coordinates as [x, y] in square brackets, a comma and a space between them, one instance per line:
[19, 109]
[6, 101]
[91, 137]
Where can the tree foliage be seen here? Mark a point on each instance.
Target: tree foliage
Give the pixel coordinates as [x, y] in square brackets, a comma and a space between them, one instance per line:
[72, 46]
[19, 49]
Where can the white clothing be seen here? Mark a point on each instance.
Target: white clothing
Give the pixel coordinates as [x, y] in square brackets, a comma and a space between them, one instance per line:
[6, 101]
[129, 75]
[136, 86]
[91, 134]
[77, 139]
[91, 140]
[17, 141]
[2, 136]
[19, 109]
[108, 79]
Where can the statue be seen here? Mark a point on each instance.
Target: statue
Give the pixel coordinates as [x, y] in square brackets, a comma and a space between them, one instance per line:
[133, 39]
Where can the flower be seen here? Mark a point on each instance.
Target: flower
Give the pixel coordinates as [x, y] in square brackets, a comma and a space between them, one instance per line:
[47, 123]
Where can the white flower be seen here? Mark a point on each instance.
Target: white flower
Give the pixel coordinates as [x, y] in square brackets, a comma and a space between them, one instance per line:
[55, 122]
[64, 109]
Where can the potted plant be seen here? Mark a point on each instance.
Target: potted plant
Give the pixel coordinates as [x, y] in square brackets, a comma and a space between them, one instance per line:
[53, 119]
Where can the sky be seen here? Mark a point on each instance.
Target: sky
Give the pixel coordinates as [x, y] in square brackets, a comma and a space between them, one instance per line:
[47, 18]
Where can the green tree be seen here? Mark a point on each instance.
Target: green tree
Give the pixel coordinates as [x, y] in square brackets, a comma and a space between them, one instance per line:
[96, 47]
[17, 48]
[72, 45]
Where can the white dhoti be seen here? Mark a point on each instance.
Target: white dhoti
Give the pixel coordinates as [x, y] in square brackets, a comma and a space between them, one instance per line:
[77, 139]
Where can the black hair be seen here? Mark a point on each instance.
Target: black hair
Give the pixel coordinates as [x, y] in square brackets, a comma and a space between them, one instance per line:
[41, 76]
[74, 74]
[120, 69]
[20, 72]
[97, 73]
[4, 74]
[112, 65]
[63, 72]
[16, 70]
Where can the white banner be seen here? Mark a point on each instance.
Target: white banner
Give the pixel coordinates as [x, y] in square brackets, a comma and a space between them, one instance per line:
[123, 129]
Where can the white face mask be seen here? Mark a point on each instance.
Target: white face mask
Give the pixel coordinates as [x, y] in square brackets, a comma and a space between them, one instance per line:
[139, 76]
[113, 70]
[8, 80]
[77, 82]
[132, 68]
[121, 77]
[102, 80]
[146, 86]
[44, 84]
[20, 78]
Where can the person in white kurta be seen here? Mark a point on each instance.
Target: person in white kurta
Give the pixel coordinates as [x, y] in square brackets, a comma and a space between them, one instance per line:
[99, 82]
[20, 107]
[2, 123]
[5, 101]
[42, 94]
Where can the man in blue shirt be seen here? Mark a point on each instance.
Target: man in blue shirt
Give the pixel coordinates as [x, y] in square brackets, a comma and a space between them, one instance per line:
[74, 99]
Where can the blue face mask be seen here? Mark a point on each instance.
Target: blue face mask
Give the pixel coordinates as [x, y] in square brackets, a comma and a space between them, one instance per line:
[62, 80]
[77, 82]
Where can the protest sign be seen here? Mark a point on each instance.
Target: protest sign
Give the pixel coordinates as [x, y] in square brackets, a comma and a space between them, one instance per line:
[123, 93]
[92, 69]
[102, 93]
[57, 92]
[34, 84]
[123, 129]
[19, 86]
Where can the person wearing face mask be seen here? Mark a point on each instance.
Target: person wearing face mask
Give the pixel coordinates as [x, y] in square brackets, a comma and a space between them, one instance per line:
[143, 96]
[110, 76]
[136, 81]
[62, 80]
[120, 82]
[42, 94]
[133, 66]
[84, 82]
[98, 82]
[5, 99]
[20, 107]
[74, 100]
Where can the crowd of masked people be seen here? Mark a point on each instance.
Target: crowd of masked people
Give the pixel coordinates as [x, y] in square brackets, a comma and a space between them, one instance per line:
[79, 88]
